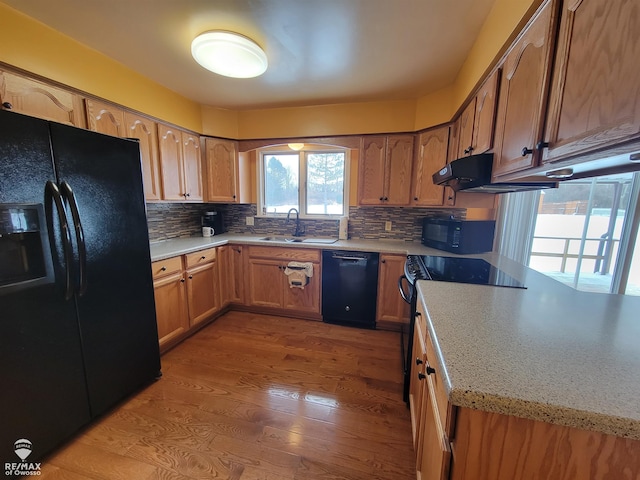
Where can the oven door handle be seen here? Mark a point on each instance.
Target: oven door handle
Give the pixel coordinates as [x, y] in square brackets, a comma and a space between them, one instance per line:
[406, 297]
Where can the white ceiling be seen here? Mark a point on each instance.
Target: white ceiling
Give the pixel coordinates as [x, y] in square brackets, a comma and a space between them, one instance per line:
[320, 51]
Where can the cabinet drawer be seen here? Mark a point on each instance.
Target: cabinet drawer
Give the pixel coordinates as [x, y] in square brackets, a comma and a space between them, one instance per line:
[287, 254]
[167, 266]
[436, 383]
[200, 258]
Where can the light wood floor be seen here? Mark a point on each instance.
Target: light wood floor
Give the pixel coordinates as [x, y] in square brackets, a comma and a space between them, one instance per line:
[257, 397]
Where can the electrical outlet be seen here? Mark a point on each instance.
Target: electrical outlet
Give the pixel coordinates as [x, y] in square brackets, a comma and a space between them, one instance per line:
[387, 226]
[250, 221]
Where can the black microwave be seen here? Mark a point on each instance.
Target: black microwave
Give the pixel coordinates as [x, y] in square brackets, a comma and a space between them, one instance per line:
[458, 236]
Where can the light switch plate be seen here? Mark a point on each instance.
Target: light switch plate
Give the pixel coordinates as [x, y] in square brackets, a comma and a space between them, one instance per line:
[250, 221]
[387, 226]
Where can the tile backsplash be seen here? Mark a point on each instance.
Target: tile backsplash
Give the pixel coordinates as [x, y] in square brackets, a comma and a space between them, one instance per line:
[174, 220]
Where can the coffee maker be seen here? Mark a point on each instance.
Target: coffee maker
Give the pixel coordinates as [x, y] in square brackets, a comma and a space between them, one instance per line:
[213, 219]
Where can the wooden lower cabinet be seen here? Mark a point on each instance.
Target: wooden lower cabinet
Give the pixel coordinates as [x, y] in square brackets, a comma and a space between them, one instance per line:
[392, 312]
[171, 307]
[434, 457]
[202, 292]
[268, 285]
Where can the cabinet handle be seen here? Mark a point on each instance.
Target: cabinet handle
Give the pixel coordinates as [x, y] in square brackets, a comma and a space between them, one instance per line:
[190, 277]
[182, 280]
[418, 361]
[468, 150]
[381, 199]
[163, 269]
[234, 197]
[383, 261]
[430, 370]
[187, 194]
[7, 105]
[417, 314]
[386, 199]
[421, 376]
[542, 145]
[526, 151]
[202, 257]
[415, 199]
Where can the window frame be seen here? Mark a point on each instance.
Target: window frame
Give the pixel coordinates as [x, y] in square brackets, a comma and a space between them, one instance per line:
[302, 186]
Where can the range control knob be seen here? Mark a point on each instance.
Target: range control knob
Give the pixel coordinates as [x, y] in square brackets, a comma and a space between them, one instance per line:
[347, 308]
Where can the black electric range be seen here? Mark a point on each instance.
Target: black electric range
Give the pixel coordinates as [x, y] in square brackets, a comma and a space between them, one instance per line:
[458, 270]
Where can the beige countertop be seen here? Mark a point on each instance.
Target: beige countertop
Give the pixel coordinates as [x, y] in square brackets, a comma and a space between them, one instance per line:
[180, 246]
[546, 352]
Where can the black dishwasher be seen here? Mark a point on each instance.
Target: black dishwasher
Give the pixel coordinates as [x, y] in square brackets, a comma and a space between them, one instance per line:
[349, 287]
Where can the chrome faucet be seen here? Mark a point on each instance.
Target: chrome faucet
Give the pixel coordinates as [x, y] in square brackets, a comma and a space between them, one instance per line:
[297, 232]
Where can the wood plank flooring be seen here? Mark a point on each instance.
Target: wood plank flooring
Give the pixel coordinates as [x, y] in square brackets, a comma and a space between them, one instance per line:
[257, 397]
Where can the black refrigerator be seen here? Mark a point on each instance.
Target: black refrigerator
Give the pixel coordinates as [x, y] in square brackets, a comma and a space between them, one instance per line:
[77, 315]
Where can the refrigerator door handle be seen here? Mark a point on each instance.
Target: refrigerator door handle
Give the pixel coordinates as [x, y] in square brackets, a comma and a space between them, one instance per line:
[68, 195]
[52, 194]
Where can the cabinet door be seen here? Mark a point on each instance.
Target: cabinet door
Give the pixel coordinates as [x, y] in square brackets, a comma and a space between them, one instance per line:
[431, 156]
[465, 134]
[170, 147]
[305, 299]
[145, 130]
[171, 307]
[417, 386]
[237, 270]
[398, 170]
[371, 185]
[391, 308]
[266, 282]
[105, 118]
[202, 292]
[484, 123]
[222, 173]
[23, 95]
[525, 78]
[595, 95]
[192, 159]
[435, 455]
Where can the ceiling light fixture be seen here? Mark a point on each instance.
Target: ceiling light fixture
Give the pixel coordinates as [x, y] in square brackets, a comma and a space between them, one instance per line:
[296, 146]
[229, 54]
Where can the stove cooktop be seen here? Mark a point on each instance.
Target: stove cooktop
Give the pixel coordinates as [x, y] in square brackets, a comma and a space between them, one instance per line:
[461, 270]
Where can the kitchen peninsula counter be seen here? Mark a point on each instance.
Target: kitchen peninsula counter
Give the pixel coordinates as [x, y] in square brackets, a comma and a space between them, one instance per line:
[547, 352]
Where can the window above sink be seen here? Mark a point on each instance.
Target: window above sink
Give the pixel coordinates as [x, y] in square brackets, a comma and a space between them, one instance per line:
[313, 180]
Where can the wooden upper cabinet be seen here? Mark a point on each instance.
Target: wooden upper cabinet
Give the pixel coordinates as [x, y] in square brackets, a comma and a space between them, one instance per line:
[385, 170]
[171, 162]
[105, 118]
[30, 97]
[112, 120]
[372, 171]
[399, 166]
[192, 158]
[181, 164]
[145, 130]
[485, 115]
[523, 94]
[221, 159]
[431, 156]
[465, 133]
[595, 93]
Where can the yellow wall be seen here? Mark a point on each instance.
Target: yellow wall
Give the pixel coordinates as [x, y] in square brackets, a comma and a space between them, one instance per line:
[32, 46]
[322, 120]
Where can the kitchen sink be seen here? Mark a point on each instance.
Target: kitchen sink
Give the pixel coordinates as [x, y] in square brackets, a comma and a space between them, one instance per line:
[274, 238]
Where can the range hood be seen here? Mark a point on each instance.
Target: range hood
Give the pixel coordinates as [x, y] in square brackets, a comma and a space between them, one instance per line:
[473, 174]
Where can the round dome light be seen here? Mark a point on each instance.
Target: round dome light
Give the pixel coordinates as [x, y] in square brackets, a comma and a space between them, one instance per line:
[229, 54]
